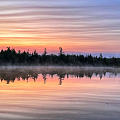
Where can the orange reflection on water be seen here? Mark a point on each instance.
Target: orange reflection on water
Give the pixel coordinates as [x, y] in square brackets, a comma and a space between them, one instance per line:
[50, 97]
[56, 83]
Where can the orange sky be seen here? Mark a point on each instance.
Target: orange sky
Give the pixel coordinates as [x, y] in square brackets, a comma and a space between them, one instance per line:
[77, 26]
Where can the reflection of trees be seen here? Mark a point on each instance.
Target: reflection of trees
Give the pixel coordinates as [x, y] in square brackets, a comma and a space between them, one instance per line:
[61, 78]
[44, 77]
[10, 75]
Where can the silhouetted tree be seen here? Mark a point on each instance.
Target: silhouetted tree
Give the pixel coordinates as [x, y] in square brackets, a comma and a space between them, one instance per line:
[61, 51]
[45, 52]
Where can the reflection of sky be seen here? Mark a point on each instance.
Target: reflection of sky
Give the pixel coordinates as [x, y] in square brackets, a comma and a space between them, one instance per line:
[76, 25]
[74, 99]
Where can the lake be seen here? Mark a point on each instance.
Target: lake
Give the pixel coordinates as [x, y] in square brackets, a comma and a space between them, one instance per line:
[59, 93]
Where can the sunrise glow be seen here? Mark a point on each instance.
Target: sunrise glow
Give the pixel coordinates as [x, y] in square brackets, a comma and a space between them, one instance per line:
[77, 26]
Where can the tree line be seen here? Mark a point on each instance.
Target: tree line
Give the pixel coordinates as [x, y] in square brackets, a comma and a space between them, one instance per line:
[13, 57]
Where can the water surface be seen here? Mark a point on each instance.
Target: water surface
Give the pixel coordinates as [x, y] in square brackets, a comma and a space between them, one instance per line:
[59, 94]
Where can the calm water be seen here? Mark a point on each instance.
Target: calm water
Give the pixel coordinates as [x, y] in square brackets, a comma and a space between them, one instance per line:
[59, 94]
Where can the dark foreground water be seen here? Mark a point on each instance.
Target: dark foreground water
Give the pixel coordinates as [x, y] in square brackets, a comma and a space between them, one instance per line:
[63, 94]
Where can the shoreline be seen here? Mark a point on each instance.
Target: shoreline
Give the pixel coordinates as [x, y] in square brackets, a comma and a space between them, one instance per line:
[53, 67]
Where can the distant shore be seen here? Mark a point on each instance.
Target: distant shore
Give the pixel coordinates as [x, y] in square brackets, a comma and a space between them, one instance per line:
[17, 58]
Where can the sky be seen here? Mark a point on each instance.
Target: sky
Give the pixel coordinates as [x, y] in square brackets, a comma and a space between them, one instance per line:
[75, 25]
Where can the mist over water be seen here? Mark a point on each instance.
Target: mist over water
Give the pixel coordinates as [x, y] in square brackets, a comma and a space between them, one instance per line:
[59, 93]
[12, 74]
